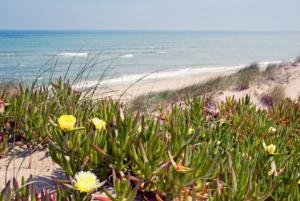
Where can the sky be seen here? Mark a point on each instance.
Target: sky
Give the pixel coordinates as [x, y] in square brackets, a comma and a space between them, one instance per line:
[243, 15]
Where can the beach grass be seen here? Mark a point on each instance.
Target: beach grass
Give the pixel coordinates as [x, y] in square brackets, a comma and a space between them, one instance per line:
[275, 95]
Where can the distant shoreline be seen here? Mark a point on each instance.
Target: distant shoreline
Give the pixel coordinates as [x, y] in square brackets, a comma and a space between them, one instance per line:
[143, 84]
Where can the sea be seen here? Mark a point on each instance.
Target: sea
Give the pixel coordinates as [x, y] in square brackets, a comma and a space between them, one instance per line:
[124, 56]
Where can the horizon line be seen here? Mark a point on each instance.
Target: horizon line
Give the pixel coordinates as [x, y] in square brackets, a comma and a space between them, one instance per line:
[150, 30]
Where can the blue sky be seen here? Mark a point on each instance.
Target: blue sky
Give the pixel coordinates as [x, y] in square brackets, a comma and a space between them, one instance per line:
[151, 14]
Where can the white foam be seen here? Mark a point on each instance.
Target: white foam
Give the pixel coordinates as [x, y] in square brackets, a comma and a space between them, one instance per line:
[73, 54]
[163, 52]
[127, 56]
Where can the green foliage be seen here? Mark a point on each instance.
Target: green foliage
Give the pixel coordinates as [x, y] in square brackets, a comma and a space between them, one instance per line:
[222, 159]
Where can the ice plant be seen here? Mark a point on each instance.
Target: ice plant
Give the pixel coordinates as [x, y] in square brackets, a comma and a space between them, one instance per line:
[66, 122]
[271, 149]
[86, 181]
[99, 123]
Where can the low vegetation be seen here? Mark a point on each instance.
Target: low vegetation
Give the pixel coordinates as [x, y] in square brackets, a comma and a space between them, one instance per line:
[274, 96]
[191, 151]
[240, 80]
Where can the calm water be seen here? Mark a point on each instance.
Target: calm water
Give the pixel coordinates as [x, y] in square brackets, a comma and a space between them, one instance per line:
[130, 54]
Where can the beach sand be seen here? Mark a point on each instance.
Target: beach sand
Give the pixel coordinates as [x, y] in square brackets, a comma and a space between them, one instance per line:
[23, 163]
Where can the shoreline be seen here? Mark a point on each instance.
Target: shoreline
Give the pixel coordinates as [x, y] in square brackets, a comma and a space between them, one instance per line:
[130, 90]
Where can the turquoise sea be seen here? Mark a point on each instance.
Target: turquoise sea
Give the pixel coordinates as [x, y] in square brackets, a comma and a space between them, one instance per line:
[131, 54]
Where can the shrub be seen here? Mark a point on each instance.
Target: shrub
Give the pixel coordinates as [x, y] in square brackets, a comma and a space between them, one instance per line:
[275, 95]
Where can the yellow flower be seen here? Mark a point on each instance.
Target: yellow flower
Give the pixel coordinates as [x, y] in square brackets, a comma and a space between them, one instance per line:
[99, 123]
[299, 181]
[271, 149]
[86, 181]
[66, 122]
[191, 131]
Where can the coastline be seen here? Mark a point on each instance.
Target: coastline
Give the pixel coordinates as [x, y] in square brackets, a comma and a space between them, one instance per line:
[127, 91]
[266, 85]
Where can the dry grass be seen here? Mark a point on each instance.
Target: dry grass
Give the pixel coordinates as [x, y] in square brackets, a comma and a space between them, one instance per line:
[270, 72]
